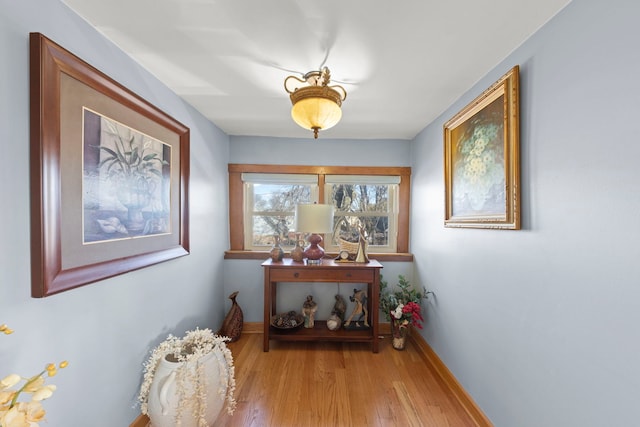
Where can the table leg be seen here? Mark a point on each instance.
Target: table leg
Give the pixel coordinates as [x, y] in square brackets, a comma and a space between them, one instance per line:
[267, 314]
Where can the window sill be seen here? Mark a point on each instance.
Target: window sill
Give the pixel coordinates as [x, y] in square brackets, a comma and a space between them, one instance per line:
[395, 257]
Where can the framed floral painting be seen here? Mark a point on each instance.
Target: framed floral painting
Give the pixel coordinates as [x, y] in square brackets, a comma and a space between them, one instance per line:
[482, 159]
[109, 175]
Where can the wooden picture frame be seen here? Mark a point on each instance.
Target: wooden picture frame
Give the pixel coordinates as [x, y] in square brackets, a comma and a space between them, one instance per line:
[482, 159]
[86, 131]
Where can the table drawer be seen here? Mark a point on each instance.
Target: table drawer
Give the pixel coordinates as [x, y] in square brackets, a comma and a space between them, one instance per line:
[320, 275]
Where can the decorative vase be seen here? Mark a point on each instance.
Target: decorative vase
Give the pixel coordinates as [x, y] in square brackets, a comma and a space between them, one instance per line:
[234, 320]
[297, 253]
[398, 334]
[276, 251]
[175, 395]
[134, 194]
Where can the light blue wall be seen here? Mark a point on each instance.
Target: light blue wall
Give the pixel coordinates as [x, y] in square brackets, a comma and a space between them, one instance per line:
[246, 276]
[541, 325]
[107, 328]
[319, 152]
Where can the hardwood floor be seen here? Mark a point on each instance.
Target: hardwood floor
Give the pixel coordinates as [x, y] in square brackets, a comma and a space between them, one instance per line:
[339, 384]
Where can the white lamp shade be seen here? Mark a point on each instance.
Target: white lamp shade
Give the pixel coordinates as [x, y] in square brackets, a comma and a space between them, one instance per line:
[314, 218]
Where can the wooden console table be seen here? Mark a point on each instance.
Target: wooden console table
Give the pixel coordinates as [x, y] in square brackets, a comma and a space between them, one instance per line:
[330, 271]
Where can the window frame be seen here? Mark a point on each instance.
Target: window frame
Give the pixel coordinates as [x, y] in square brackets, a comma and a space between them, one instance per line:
[237, 214]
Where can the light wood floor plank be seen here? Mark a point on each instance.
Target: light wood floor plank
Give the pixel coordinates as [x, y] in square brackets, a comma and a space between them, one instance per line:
[298, 384]
[325, 384]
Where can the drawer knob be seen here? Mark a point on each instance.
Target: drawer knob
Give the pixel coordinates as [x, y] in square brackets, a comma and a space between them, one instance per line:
[296, 274]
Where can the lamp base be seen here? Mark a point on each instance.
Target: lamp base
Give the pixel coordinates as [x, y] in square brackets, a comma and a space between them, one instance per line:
[314, 252]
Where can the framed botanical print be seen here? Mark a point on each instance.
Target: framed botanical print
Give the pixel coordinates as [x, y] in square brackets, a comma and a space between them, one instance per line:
[482, 159]
[109, 175]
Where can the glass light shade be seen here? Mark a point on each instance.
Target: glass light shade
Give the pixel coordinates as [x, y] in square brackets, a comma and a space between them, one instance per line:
[316, 106]
[316, 113]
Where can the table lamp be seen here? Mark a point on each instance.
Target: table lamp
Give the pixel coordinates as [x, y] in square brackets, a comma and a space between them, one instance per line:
[315, 219]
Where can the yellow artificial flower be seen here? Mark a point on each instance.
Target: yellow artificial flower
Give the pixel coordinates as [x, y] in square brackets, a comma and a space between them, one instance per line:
[43, 393]
[52, 371]
[5, 329]
[14, 418]
[6, 396]
[25, 414]
[34, 384]
[34, 411]
[9, 381]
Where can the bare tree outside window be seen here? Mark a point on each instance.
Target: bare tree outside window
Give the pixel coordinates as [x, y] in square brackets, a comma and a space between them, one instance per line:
[273, 211]
[361, 205]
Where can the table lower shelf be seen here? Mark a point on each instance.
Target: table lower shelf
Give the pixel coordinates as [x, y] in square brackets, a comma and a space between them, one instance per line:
[320, 332]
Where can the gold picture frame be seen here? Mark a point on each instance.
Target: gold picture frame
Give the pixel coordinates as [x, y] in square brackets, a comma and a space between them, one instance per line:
[109, 175]
[482, 159]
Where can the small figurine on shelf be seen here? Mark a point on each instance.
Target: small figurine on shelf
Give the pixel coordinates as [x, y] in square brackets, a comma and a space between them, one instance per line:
[309, 308]
[361, 310]
[340, 307]
[334, 322]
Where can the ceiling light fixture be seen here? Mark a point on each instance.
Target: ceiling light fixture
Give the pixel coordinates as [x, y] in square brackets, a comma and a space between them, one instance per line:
[316, 106]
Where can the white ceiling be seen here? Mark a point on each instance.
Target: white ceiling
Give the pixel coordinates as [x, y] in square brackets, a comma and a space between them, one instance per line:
[402, 62]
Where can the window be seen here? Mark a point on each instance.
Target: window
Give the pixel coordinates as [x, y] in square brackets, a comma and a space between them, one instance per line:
[270, 202]
[262, 201]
